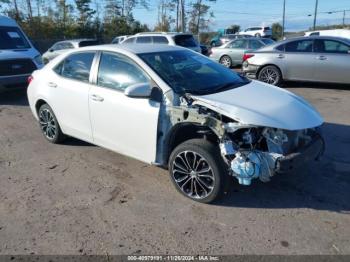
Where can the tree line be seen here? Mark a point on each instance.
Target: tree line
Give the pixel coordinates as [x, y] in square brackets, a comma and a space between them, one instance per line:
[63, 19]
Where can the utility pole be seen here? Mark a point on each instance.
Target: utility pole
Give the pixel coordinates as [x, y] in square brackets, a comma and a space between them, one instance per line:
[315, 16]
[182, 15]
[344, 18]
[177, 15]
[284, 17]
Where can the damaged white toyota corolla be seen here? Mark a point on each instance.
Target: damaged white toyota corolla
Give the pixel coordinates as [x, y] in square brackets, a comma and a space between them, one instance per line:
[174, 108]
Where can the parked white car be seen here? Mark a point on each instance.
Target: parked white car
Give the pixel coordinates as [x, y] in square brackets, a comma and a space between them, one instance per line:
[175, 108]
[164, 38]
[259, 31]
[345, 33]
[64, 46]
[18, 57]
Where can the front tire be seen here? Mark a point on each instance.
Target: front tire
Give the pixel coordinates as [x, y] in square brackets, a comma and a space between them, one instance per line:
[226, 61]
[49, 125]
[198, 171]
[270, 75]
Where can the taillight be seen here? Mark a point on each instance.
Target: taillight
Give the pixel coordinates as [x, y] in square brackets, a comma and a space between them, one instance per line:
[247, 56]
[30, 79]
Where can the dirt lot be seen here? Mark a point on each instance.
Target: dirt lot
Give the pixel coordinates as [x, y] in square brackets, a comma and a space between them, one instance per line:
[77, 198]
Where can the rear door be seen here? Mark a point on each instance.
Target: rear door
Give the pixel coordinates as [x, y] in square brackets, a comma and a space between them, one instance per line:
[332, 61]
[69, 89]
[298, 60]
[120, 123]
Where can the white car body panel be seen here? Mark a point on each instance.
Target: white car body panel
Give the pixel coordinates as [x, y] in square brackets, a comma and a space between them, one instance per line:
[263, 105]
[123, 124]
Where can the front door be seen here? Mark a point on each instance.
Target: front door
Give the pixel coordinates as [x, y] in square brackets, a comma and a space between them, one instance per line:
[332, 61]
[120, 123]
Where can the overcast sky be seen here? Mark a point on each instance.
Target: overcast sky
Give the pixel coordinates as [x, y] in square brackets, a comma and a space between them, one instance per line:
[260, 12]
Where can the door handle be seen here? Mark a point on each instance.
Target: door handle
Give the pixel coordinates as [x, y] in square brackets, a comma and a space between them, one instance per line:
[97, 98]
[322, 57]
[52, 84]
[280, 56]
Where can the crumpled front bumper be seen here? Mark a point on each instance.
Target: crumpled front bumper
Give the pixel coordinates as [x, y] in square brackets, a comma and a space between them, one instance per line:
[250, 70]
[293, 161]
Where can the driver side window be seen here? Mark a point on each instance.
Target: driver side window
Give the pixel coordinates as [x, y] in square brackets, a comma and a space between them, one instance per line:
[118, 72]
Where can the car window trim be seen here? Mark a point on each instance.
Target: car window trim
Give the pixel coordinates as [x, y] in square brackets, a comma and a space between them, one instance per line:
[73, 79]
[96, 65]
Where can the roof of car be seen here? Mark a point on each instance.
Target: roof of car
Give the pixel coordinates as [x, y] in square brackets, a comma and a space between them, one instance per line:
[274, 45]
[77, 40]
[160, 33]
[316, 37]
[135, 48]
[6, 21]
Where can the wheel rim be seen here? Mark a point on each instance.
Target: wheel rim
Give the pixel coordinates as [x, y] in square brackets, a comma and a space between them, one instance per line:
[269, 76]
[193, 175]
[226, 61]
[47, 123]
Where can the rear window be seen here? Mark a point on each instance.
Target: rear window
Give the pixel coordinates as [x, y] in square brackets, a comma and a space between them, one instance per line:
[160, 40]
[267, 41]
[185, 40]
[301, 46]
[280, 48]
[76, 66]
[144, 40]
[88, 43]
[129, 40]
[12, 38]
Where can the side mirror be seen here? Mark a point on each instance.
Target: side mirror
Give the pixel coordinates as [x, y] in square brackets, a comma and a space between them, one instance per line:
[142, 90]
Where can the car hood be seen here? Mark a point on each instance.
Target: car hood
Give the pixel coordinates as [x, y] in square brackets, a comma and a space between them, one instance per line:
[261, 104]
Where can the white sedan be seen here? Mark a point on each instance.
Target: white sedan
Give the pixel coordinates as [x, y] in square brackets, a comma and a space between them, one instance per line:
[175, 108]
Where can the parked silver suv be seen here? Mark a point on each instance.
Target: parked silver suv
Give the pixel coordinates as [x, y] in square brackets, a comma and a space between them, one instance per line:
[179, 39]
[316, 59]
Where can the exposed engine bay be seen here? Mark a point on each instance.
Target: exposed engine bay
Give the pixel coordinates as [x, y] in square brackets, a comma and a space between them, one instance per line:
[250, 152]
[255, 152]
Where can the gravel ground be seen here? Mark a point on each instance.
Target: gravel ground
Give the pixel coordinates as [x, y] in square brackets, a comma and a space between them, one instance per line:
[77, 198]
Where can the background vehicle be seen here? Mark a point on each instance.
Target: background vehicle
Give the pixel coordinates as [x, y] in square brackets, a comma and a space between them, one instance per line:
[315, 58]
[345, 33]
[119, 39]
[18, 57]
[215, 41]
[180, 39]
[227, 38]
[259, 31]
[231, 54]
[215, 124]
[63, 46]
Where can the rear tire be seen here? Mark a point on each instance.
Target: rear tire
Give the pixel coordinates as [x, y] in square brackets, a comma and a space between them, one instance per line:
[226, 61]
[258, 35]
[270, 75]
[49, 125]
[198, 171]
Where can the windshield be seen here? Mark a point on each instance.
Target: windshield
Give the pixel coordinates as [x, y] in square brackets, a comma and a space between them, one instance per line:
[185, 40]
[187, 72]
[12, 38]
